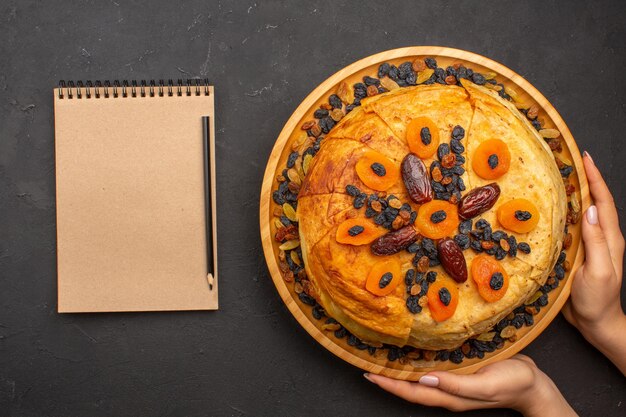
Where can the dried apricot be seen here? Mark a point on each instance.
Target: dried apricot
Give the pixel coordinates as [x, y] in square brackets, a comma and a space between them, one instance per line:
[519, 215]
[384, 277]
[377, 171]
[490, 277]
[422, 136]
[491, 159]
[358, 232]
[443, 297]
[437, 219]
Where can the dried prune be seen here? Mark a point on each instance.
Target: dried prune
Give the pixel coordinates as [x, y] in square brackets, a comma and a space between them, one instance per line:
[452, 259]
[394, 242]
[416, 179]
[478, 201]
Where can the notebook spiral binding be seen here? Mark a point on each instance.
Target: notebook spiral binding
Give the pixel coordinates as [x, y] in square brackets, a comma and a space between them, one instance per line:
[151, 88]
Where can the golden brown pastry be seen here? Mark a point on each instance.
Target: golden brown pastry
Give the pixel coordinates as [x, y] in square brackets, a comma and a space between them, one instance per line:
[339, 272]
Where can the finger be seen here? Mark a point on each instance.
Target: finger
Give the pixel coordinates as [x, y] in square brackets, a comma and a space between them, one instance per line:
[567, 313]
[597, 255]
[429, 396]
[484, 385]
[607, 212]
[523, 358]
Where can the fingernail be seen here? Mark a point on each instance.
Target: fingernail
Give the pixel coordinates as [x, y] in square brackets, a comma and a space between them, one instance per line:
[367, 376]
[586, 154]
[429, 380]
[592, 215]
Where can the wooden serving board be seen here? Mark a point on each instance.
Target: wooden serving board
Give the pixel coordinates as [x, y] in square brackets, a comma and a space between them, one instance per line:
[277, 161]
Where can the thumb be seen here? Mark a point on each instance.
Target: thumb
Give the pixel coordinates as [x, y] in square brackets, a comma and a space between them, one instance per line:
[597, 255]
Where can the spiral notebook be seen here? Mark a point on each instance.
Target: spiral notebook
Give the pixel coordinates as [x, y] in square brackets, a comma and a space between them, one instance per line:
[135, 196]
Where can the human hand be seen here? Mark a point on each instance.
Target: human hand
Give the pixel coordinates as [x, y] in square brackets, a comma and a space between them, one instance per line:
[594, 306]
[513, 383]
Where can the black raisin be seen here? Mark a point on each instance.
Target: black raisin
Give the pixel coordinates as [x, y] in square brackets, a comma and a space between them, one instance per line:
[371, 81]
[379, 218]
[462, 240]
[409, 277]
[429, 245]
[493, 161]
[458, 132]
[393, 354]
[465, 226]
[335, 101]
[341, 333]
[497, 281]
[512, 246]
[566, 171]
[443, 150]
[359, 201]
[278, 198]
[461, 184]
[500, 254]
[411, 78]
[307, 299]
[478, 78]
[412, 303]
[456, 146]
[438, 216]
[393, 73]
[560, 272]
[482, 223]
[523, 247]
[522, 215]
[476, 246]
[461, 73]
[404, 69]
[456, 356]
[425, 136]
[378, 169]
[444, 296]
[383, 69]
[319, 113]
[413, 248]
[431, 276]
[356, 230]
[291, 160]
[431, 63]
[561, 258]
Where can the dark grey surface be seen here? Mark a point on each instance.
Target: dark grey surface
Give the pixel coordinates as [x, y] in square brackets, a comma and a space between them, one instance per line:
[251, 357]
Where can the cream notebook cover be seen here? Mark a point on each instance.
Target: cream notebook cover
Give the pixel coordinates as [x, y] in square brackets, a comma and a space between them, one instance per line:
[130, 198]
